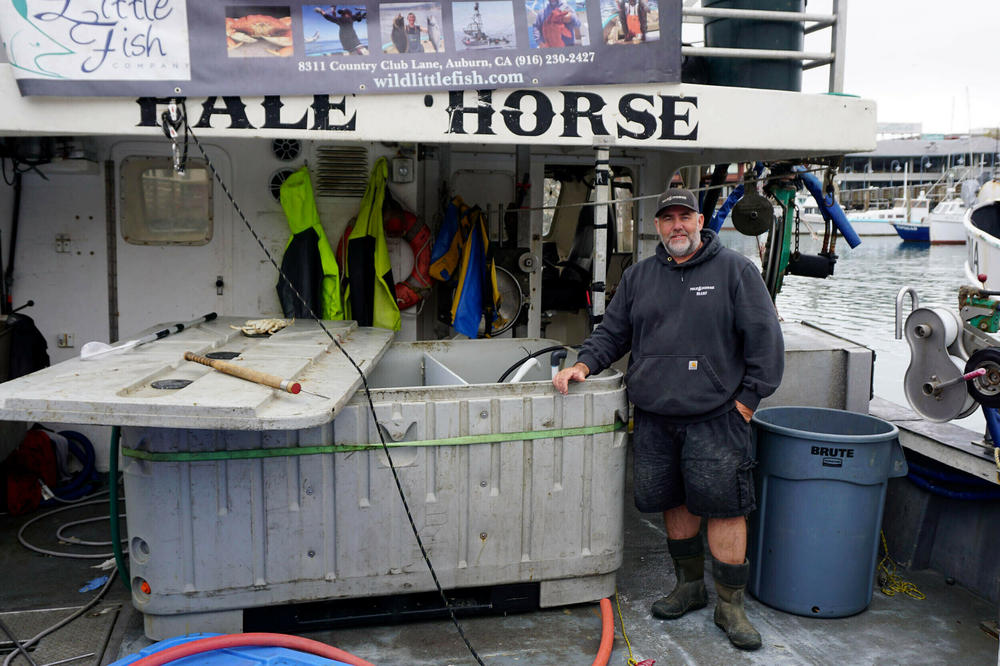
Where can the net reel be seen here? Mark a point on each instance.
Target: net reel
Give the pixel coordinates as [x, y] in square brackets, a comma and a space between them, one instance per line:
[934, 383]
[954, 359]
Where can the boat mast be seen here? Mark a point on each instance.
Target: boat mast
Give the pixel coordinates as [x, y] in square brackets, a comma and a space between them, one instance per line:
[906, 190]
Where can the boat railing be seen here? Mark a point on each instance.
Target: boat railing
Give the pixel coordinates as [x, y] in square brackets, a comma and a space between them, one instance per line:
[693, 12]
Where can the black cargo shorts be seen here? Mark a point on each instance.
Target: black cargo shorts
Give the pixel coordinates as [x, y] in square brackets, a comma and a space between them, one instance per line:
[705, 466]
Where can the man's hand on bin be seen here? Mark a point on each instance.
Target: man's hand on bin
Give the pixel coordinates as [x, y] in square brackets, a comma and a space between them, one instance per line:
[575, 373]
[744, 411]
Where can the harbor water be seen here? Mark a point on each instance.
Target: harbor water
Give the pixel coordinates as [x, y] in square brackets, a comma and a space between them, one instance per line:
[858, 302]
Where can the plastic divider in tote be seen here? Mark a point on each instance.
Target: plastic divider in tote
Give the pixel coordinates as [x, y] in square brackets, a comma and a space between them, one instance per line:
[821, 481]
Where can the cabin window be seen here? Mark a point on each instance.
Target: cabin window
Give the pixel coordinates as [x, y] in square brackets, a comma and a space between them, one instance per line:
[161, 207]
[623, 211]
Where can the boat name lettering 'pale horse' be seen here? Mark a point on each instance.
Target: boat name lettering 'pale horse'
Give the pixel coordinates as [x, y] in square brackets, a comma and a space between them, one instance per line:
[659, 117]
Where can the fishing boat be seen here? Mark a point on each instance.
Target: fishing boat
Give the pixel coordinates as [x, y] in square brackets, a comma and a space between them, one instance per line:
[900, 217]
[255, 507]
[475, 37]
[881, 221]
[943, 224]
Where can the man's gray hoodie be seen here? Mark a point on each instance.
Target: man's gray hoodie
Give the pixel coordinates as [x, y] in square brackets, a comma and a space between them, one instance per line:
[702, 334]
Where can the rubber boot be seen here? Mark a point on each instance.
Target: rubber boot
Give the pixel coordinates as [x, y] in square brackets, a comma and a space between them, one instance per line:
[730, 583]
[689, 593]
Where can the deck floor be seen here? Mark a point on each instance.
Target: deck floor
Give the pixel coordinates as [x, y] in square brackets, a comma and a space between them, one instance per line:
[942, 629]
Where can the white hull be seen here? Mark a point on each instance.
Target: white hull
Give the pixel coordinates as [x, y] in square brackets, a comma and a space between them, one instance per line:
[873, 227]
[946, 222]
[983, 251]
[947, 231]
[938, 229]
[813, 223]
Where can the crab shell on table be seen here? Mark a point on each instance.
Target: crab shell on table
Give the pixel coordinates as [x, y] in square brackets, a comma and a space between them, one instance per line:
[263, 326]
[248, 29]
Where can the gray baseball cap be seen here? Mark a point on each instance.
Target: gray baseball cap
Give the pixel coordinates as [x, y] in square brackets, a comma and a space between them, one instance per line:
[677, 196]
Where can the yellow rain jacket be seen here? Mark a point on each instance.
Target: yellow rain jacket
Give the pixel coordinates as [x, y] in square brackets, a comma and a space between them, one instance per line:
[369, 290]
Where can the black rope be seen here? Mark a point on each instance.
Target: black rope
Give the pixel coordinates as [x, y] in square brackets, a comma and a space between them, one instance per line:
[364, 380]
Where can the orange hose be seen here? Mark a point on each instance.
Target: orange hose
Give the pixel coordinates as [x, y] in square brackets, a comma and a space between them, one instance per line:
[607, 634]
[251, 640]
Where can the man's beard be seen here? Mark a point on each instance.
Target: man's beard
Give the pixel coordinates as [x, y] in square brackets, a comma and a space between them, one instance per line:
[681, 247]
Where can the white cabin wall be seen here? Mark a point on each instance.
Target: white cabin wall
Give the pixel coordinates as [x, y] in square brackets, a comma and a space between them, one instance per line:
[253, 279]
[70, 289]
[483, 178]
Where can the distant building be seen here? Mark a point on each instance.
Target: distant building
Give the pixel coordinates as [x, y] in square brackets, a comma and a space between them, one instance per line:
[932, 163]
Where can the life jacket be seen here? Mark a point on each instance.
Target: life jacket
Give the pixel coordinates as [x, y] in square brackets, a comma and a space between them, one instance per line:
[369, 294]
[308, 262]
[464, 258]
[446, 254]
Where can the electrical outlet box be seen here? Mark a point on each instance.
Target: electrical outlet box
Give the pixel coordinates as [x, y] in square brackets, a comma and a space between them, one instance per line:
[402, 170]
[65, 340]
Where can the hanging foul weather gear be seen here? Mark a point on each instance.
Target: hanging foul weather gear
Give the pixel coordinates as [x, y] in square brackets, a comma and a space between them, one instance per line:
[369, 295]
[308, 261]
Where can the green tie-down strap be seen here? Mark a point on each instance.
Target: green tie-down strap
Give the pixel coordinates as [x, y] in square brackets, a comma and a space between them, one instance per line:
[246, 454]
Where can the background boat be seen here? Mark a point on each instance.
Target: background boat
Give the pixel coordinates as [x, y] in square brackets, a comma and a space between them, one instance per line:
[942, 225]
[982, 231]
[886, 221]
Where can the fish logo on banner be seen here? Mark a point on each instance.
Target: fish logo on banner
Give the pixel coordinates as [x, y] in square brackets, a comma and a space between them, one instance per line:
[140, 40]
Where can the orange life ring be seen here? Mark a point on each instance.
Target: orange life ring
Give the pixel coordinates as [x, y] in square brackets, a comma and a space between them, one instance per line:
[401, 223]
[404, 224]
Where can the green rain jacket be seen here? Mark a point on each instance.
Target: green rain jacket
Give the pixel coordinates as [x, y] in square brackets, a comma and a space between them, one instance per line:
[303, 221]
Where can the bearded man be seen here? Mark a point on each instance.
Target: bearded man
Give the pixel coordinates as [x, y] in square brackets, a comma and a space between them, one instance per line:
[706, 348]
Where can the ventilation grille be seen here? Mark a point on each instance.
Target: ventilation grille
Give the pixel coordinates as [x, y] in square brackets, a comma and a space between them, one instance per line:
[341, 171]
[286, 150]
[275, 181]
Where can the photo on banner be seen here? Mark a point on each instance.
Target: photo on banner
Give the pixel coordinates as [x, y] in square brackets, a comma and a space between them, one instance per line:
[259, 31]
[335, 30]
[484, 25]
[630, 21]
[411, 27]
[554, 24]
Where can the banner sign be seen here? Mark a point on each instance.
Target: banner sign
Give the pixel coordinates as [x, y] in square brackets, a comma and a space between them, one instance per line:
[198, 48]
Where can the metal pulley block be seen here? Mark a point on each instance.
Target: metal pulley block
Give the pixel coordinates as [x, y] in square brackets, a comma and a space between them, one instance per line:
[933, 382]
[753, 214]
[985, 389]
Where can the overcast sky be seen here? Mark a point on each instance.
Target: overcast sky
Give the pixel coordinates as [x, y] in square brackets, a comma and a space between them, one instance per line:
[922, 61]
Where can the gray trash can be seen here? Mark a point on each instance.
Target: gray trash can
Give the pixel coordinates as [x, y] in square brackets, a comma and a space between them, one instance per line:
[821, 480]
